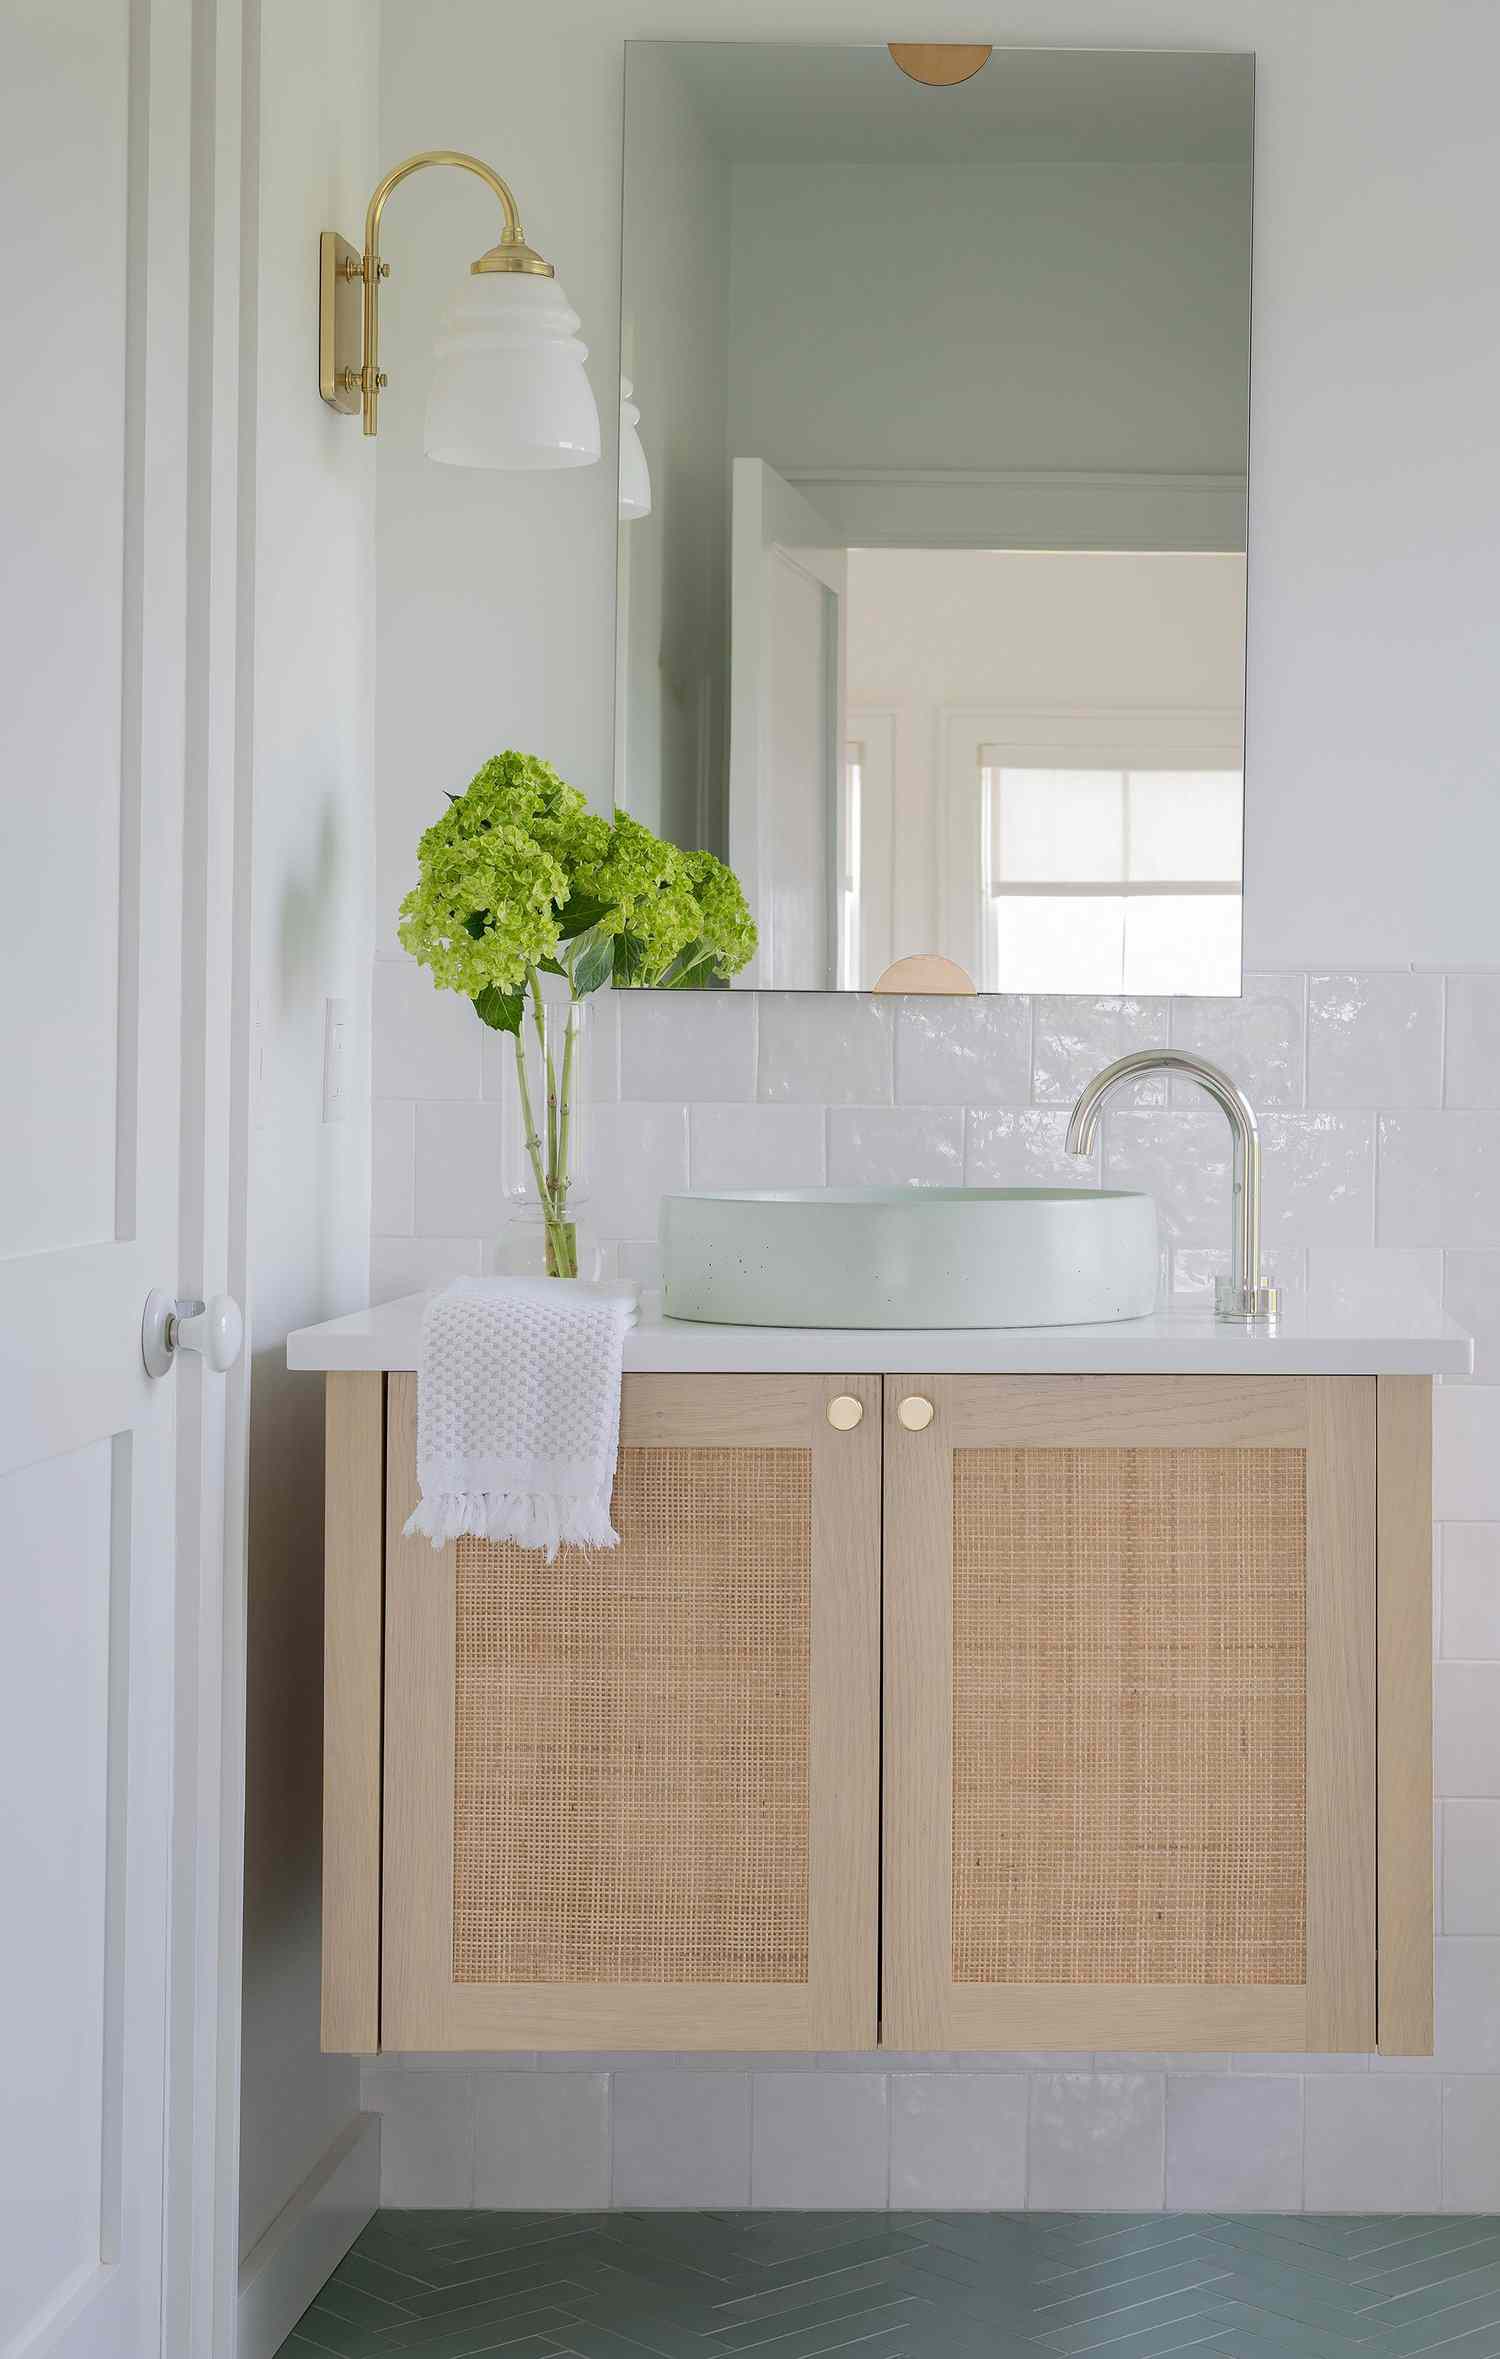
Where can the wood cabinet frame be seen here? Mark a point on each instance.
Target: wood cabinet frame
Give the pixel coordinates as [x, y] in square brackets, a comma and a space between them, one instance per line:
[388, 1733]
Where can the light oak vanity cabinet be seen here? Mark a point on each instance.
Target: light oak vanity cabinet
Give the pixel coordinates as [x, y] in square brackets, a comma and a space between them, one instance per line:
[923, 1711]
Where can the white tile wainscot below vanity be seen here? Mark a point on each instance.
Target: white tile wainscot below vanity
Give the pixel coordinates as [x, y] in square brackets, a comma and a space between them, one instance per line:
[995, 1691]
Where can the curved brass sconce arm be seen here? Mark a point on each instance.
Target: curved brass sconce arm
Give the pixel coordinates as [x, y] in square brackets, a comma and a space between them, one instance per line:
[343, 386]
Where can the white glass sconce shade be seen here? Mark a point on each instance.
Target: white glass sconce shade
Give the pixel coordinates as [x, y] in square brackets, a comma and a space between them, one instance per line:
[635, 475]
[508, 382]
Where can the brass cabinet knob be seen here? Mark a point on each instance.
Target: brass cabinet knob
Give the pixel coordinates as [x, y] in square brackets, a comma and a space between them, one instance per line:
[916, 1412]
[845, 1412]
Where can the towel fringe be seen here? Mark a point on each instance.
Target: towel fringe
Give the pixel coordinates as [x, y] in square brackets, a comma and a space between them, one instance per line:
[533, 1519]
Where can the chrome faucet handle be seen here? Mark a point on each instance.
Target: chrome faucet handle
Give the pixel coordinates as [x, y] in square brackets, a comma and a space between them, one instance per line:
[1243, 1297]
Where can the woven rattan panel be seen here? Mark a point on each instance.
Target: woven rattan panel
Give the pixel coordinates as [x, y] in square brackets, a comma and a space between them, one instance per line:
[1129, 1716]
[631, 1735]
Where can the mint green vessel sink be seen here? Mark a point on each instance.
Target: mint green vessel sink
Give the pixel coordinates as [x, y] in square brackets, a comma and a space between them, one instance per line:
[908, 1257]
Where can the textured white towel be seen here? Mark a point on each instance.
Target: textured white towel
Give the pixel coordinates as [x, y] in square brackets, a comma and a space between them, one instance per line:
[518, 1411]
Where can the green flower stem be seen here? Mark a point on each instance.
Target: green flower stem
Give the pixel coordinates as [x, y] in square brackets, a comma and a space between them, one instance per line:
[570, 1032]
[562, 1247]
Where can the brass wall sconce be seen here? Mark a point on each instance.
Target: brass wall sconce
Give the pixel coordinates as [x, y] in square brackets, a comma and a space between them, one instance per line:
[508, 385]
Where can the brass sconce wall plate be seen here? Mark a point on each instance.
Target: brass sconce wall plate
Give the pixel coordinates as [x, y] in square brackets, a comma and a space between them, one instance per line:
[341, 322]
[941, 64]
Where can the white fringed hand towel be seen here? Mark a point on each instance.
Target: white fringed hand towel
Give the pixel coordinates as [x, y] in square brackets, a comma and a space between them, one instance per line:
[518, 1411]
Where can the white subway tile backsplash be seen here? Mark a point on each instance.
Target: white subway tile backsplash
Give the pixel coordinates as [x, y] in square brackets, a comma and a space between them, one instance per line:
[1467, 1727]
[1073, 1039]
[1468, 2004]
[958, 2141]
[427, 1043]
[1472, 1053]
[1256, 1039]
[1471, 2146]
[1407, 1282]
[680, 2141]
[392, 1166]
[1439, 1179]
[1025, 1149]
[1233, 2144]
[687, 1044]
[1319, 1178]
[826, 1048]
[1471, 1867]
[541, 2141]
[1470, 1584]
[1097, 2141]
[1466, 1453]
[409, 1265]
[457, 1171]
[820, 2141]
[1375, 1040]
[963, 1052]
[757, 1146]
[1183, 1160]
[1471, 1295]
[1373, 2143]
[895, 1146]
[639, 1155]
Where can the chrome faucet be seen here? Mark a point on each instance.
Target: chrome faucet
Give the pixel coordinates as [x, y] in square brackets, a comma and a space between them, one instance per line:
[1242, 1296]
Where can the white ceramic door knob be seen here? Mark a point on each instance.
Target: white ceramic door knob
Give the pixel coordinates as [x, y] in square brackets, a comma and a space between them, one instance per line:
[214, 1329]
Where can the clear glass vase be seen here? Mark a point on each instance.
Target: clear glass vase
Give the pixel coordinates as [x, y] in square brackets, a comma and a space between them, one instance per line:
[545, 1138]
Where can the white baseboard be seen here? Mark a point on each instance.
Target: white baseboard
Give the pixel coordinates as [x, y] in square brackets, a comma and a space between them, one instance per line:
[308, 2238]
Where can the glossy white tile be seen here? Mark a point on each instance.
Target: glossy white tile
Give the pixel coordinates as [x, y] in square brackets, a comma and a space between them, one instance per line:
[1373, 2143]
[1471, 1868]
[680, 2140]
[1470, 1580]
[1025, 1149]
[1471, 2146]
[1256, 1039]
[1467, 1727]
[409, 1265]
[1096, 2141]
[963, 1052]
[1439, 1179]
[1233, 2144]
[958, 2141]
[426, 2137]
[541, 2141]
[1466, 1452]
[392, 1166]
[1374, 1040]
[687, 1044]
[640, 1154]
[1183, 1160]
[895, 1146]
[1472, 1059]
[1468, 2004]
[1406, 1281]
[757, 1146]
[1471, 1295]
[427, 1043]
[826, 1048]
[1073, 1039]
[1318, 1178]
[820, 2141]
[457, 1171]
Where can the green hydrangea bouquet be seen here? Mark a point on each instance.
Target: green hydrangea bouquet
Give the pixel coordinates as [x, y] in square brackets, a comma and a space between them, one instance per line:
[520, 879]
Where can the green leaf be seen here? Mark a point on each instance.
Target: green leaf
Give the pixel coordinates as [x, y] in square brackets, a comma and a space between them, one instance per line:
[501, 1010]
[630, 962]
[475, 923]
[550, 966]
[580, 914]
[594, 964]
[690, 970]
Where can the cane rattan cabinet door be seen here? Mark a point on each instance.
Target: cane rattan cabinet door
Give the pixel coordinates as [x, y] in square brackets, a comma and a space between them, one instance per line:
[631, 1797]
[1130, 1697]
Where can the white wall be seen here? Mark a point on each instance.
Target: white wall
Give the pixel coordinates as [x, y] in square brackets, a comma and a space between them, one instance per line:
[311, 882]
[1373, 827]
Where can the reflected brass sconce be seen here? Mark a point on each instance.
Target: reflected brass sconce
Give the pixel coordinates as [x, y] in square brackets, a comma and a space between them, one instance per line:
[508, 385]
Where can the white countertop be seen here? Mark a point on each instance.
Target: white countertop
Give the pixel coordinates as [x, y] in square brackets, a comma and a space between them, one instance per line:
[1345, 1339]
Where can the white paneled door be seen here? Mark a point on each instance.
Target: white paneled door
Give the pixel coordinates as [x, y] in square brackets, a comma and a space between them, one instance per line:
[109, 1010]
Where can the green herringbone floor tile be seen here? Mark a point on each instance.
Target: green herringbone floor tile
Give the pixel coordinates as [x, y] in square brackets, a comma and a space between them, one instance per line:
[909, 2285]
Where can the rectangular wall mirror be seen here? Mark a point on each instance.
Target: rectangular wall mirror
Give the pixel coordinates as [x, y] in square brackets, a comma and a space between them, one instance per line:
[932, 584]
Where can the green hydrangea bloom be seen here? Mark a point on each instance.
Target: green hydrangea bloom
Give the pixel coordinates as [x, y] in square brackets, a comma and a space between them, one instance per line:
[646, 890]
[726, 925]
[491, 877]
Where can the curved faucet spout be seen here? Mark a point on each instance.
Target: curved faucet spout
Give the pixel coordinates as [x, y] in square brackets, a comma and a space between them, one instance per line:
[1243, 1295]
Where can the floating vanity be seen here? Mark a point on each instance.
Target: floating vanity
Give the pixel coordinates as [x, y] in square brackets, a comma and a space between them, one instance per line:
[1055, 1688]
